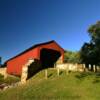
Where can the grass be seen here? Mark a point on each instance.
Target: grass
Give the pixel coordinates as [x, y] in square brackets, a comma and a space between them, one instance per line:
[74, 86]
[9, 80]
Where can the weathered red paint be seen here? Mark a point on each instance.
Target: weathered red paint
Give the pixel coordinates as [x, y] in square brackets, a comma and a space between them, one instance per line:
[14, 66]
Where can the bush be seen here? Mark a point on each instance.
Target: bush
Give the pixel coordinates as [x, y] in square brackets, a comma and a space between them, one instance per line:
[72, 57]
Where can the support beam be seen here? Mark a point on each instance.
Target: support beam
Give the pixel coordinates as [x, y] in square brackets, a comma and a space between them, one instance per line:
[57, 71]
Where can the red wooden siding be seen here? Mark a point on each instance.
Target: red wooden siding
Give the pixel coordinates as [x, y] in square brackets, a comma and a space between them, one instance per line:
[14, 66]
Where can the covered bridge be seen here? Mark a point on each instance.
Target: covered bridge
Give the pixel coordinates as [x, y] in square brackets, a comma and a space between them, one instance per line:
[46, 54]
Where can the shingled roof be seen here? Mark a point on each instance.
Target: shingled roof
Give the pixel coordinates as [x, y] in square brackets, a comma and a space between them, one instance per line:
[34, 46]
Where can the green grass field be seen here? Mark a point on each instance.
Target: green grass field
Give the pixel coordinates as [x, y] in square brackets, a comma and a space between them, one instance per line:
[74, 86]
[9, 80]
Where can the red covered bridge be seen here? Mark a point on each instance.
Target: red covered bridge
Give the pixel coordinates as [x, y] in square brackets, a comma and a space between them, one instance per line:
[47, 54]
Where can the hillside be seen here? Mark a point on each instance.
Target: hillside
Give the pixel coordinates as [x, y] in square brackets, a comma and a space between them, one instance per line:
[74, 86]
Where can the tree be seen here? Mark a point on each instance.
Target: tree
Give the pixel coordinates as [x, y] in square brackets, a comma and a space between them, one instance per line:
[90, 52]
[72, 57]
[94, 32]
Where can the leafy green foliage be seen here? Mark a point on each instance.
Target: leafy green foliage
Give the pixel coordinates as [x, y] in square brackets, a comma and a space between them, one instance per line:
[94, 32]
[90, 52]
[72, 57]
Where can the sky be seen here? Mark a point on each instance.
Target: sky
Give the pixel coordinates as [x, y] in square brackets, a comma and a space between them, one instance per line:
[24, 23]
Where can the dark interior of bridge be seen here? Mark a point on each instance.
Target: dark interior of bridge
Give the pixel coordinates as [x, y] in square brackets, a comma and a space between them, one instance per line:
[48, 58]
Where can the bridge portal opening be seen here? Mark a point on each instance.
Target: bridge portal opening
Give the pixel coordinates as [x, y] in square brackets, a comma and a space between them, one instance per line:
[49, 57]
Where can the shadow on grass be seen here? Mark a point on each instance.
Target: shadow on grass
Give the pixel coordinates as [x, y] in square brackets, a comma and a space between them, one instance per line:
[61, 72]
[97, 78]
[97, 74]
[83, 75]
[96, 81]
[94, 76]
[50, 75]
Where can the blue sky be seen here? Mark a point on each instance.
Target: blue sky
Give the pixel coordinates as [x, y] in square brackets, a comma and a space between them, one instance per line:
[24, 23]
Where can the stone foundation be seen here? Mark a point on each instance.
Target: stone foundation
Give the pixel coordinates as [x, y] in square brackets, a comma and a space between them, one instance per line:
[3, 71]
[25, 70]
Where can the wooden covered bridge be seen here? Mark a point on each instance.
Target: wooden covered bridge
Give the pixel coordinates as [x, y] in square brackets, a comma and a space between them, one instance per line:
[37, 57]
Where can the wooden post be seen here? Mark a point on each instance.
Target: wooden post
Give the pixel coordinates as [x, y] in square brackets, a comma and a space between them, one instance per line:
[76, 67]
[46, 73]
[89, 67]
[58, 71]
[5, 73]
[84, 67]
[94, 68]
[55, 65]
[66, 71]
